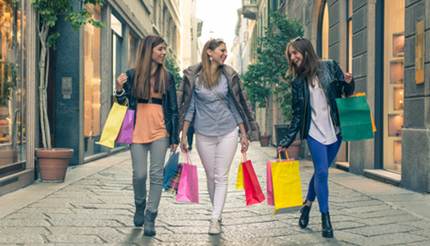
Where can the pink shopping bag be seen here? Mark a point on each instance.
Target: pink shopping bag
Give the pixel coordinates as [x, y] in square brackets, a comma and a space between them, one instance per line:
[269, 184]
[188, 188]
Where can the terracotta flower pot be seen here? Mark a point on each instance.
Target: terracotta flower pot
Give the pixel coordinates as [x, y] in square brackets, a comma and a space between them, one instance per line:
[53, 163]
[264, 140]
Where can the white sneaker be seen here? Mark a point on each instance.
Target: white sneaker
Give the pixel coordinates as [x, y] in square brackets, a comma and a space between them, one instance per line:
[214, 227]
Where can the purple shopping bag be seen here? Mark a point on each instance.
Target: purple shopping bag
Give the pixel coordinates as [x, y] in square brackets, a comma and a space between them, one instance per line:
[188, 189]
[125, 135]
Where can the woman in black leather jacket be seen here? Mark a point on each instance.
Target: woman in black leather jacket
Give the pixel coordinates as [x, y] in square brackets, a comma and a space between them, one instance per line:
[149, 90]
[315, 87]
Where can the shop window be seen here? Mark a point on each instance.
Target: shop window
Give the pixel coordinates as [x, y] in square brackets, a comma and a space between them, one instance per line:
[92, 82]
[12, 84]
[394, 43]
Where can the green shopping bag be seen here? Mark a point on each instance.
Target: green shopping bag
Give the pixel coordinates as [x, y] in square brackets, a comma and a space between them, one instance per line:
[355, 119]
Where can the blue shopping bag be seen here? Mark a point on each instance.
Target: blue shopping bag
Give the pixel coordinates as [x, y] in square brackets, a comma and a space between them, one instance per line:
[171, 170]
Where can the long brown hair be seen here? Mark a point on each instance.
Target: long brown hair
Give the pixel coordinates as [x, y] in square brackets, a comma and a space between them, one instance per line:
[207, 79]
[309, 66]
[143, 68]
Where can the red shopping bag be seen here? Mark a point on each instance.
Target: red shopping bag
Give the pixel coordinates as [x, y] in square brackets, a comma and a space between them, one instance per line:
[252, 187]
[188, 188]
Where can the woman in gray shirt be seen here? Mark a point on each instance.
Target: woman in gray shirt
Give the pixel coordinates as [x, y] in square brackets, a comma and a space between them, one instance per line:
[212, 100]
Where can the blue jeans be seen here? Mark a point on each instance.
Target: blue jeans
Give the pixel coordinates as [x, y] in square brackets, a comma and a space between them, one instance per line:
[322, 157]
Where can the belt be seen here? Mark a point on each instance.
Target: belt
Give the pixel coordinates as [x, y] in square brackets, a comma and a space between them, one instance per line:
[151, 101]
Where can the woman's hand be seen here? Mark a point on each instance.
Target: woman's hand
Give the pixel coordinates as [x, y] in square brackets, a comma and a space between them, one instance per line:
[173, 148]
[184, 143]
[244, 142]
[348, 77]
[120, 81]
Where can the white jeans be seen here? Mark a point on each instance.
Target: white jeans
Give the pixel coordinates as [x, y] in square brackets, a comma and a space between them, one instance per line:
[216, 154]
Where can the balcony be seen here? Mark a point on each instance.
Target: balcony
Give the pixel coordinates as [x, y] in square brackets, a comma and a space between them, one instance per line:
[249, 9]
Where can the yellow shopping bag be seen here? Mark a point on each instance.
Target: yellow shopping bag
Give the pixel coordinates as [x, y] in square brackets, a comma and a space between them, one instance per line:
[112, 125]
[239, 177]
[287, 186]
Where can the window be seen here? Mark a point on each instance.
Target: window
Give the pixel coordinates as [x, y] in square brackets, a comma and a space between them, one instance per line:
[92, 82]
[12, 84]
[394, 42]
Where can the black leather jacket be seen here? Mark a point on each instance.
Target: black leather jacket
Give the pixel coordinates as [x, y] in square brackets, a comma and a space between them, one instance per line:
[170, 106]
[334, 85]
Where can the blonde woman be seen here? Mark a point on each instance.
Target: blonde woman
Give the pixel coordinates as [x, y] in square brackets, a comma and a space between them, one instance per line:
[212, 98]
[150, 90]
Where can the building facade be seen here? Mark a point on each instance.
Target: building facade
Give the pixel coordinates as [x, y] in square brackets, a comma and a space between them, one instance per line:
[189, 34]
[82, 75]
[17, 94]
[383, 43]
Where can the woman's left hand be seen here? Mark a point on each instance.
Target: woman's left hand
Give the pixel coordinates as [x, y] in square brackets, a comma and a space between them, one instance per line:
[348, 77]
[244, 142]
[173, 147]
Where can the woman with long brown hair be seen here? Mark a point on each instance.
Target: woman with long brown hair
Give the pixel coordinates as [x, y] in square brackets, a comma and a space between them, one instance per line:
[212, 99]
[150, 90]
[315, 87]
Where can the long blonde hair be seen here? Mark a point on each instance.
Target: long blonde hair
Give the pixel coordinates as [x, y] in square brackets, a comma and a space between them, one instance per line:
[143, 68]
[207, 78]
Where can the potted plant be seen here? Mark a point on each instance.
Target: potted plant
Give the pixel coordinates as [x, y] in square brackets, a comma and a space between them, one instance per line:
[265, 139]
[53, 162]
[264, 77]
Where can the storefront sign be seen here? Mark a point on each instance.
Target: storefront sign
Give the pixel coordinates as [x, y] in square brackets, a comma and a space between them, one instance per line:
[419, 53]
[66, 87]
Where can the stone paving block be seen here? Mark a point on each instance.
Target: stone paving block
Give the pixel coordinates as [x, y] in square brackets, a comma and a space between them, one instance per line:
[20, 238]
[52, 203]
[369, 231]
[380, 213]
[8, 230]
[403, 218]
[83, 239]
[70, 221]
[345, 225]
[24, 222]
[102, 211]
[391, 239]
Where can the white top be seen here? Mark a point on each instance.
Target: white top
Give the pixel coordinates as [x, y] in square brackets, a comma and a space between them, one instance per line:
[322, 128]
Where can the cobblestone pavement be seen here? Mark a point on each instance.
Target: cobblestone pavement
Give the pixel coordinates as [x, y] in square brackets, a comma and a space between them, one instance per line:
[98, 209]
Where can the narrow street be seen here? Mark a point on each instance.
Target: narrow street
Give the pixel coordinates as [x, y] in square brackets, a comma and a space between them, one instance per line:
[95, 206]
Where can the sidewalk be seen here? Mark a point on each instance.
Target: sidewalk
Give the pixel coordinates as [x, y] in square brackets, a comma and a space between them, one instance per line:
[95, 206]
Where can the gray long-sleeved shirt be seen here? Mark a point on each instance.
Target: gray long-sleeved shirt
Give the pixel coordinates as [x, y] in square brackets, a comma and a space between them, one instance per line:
[213, 110]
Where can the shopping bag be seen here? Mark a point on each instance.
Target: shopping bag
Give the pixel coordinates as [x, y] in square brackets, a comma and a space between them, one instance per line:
[112, 125]
[287, 186]
[171, 171]
[125, 135]
[355, 119]
[188, 187]
[269, 184]
[252, 187]
[239, 177]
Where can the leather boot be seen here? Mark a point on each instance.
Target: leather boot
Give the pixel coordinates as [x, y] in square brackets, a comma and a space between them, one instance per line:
[304, 217]
[139, 214]
[149, 227]
[327, 229]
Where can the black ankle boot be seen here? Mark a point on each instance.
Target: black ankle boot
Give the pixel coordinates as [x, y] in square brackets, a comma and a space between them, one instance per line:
[139, 215]
[304, 217]
[327, 229]
[149, 228]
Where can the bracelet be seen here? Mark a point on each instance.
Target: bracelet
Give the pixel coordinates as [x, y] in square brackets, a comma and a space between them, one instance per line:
[120, 93]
